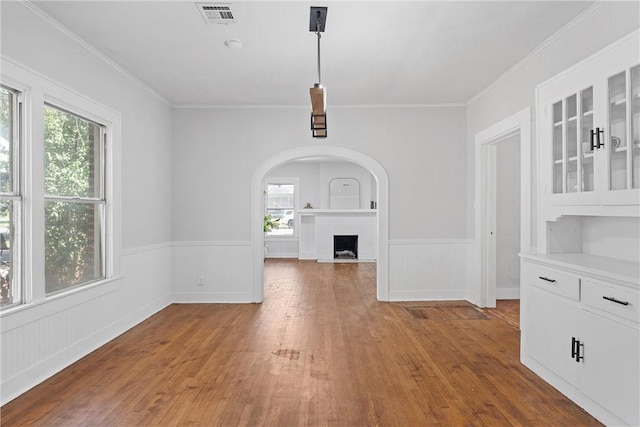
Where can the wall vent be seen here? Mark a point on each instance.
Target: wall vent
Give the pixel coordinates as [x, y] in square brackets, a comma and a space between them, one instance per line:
[216, 13]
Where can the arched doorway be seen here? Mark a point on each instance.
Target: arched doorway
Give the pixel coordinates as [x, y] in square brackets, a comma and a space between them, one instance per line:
[257, 208]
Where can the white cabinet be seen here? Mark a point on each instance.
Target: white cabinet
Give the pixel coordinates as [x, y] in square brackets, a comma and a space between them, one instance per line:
[589, 132]
[580, 310]
[609, 373]
[549, 336]
[581, 333]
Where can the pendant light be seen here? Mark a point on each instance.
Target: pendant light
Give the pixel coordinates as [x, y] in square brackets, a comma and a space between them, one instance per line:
[318, 93]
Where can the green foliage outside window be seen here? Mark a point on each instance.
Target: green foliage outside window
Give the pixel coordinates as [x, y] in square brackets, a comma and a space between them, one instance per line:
[72, 226]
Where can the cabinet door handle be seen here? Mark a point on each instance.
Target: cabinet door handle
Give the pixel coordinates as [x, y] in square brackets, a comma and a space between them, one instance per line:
[592, 139]
[579, 345]
[546, 279]
[599, 132]
[617, 301]
[575, 349]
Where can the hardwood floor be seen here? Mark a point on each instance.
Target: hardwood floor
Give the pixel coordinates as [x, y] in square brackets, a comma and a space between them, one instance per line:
[507, 310]
[319, 351]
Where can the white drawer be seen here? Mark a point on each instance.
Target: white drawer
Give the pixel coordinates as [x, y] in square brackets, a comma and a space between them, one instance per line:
[621, 302]
[553, 280]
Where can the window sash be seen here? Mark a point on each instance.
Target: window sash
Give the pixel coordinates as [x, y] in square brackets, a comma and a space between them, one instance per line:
[97, 189]
[13, 196]
[98, 259]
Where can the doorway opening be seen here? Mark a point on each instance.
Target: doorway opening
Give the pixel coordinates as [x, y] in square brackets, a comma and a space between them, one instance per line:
[324, 152]
[502, 152]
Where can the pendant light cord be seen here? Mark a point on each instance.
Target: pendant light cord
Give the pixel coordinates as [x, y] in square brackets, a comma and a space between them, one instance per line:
[318, 34]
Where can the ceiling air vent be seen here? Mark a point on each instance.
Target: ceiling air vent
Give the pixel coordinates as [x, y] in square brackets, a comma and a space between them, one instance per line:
[216, 13]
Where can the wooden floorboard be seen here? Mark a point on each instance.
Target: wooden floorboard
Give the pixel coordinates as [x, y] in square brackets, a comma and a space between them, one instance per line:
[507, 310]
[320, 351]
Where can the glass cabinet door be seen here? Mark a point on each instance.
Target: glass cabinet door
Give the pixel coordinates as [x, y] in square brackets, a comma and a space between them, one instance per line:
[571, 143]
[557, 148]
[573, 161]
[624, 124]
[586, 148]
[635, 125]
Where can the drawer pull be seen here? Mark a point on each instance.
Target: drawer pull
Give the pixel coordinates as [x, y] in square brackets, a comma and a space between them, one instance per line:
[617, 301]
[546, 279]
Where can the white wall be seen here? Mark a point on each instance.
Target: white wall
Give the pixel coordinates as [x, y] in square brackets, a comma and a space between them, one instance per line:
[508, 218]
[37, 341]
[422, 150]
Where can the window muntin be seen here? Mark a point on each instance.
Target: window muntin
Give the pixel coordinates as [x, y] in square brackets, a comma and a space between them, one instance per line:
[10, 197]
[74, 200]
[280, 203]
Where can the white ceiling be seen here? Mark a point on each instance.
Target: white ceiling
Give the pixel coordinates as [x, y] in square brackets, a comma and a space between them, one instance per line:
[373, 53]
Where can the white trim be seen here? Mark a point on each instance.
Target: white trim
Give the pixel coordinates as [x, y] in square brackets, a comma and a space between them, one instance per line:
[147, 248]
[23, 314]
[213, 243]
[77, 39]
[212, 297]
[435, 295]
[482, 290]
[429, 241]
[306, 107]
[537, 50]
[359, 158]
[507, 293]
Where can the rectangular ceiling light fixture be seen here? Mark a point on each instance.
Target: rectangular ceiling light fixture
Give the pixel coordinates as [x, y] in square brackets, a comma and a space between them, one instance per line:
[216, 13]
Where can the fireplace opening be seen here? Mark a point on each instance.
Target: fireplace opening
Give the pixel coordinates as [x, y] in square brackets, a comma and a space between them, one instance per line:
[345, 247]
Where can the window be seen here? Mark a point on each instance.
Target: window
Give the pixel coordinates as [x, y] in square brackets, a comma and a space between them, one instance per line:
[74, 181]
[59, 192]
[281, 202]
[10, 196]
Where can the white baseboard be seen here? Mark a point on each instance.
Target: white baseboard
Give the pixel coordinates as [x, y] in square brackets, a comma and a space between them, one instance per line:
[507, 293]
[212, 297]
[428, 295]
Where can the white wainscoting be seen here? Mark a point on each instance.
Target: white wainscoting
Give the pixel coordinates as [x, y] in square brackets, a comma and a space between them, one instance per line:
[40, 340]
[226, 269]
[432, 269]
[281, 247]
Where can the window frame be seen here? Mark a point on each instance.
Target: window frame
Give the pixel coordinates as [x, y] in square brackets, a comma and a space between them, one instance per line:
[16, 193]
[98, 198]
[295, 181]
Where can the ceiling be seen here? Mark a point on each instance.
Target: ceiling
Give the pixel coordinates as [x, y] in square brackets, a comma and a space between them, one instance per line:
[372, 53]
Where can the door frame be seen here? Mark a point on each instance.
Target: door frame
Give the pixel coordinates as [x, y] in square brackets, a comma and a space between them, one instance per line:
[483, 292]
[257, 208]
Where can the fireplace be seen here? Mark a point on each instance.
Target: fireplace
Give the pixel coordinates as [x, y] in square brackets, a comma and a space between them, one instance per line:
[345, 247]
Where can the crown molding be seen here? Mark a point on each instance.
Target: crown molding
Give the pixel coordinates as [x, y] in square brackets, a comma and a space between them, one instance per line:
[588, 11]
[306, 107]
[77, 39]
